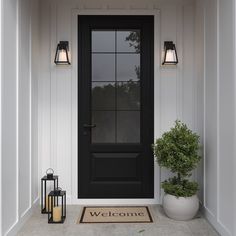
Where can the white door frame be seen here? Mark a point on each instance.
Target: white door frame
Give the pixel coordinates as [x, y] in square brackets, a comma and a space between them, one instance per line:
[157, 62]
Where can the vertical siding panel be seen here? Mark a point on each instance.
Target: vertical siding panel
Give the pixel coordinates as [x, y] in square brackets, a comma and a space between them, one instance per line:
[9, 116]
[63, 100]
[44, 100]
[188, 62]
[226, 117]
[34, 105]
[24, 108]
[211, 108]
[168, 112]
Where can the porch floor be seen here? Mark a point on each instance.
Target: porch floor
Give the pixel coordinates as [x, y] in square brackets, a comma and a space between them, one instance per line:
[37, 225]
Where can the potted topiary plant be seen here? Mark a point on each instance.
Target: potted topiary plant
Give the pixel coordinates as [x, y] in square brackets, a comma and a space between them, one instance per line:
[178, 151]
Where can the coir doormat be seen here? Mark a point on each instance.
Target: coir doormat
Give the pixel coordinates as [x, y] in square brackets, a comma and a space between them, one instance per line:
[121, 214]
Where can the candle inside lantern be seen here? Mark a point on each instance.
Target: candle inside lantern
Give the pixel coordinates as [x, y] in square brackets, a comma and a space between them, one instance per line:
[48, 200]
[56, 214]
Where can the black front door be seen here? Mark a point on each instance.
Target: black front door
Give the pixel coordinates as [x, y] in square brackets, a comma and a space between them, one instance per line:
[116, 107]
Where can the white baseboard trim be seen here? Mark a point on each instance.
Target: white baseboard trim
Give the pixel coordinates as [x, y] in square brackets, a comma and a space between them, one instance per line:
[18, 224]
[219, 227]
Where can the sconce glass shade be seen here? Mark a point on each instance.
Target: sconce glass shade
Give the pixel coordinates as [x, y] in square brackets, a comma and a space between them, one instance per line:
[62, 57]
[170, 54]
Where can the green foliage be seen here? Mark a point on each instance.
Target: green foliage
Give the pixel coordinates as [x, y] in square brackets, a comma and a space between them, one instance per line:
[128, 94]
[184, 188]
[134, 40]
[177, 150]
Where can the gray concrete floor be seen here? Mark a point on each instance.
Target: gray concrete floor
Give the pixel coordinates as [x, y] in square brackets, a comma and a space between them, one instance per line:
[37, 225]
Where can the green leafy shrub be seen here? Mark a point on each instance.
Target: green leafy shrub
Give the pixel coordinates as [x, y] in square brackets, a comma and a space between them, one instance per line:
[178, 150]
[184, 188]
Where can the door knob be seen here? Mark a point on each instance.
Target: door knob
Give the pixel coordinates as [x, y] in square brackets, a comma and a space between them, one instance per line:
[89, 126]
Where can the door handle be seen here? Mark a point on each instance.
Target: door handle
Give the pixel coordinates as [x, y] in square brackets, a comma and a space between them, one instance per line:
[89, 126]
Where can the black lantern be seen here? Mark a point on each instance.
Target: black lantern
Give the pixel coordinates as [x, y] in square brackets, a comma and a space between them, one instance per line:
[57, 213]
[45, 182]
[170, 54]
[62, 56]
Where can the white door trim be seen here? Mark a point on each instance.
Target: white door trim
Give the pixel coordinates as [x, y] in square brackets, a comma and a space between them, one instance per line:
[157, 62]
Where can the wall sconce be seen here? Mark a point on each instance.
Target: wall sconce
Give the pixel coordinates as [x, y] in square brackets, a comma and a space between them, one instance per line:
[170, 54]
[62, 57]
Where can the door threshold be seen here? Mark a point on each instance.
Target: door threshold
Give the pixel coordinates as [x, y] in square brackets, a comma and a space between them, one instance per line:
[117, 202]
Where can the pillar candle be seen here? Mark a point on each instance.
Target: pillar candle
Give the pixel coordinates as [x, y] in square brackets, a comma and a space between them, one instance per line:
[56, 214]
[48, 200]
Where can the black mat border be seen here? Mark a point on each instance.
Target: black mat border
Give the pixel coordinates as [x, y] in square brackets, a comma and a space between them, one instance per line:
[115, 222]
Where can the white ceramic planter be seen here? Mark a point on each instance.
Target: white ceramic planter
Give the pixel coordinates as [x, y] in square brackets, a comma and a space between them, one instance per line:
[182, 208]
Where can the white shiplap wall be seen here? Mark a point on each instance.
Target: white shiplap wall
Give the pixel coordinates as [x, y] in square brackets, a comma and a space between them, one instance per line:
[9, 142]
[175, 91]
[216, 34]
[1, 115]
[19, 156]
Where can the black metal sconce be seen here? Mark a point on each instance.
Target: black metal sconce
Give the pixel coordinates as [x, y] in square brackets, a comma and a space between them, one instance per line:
[62, 56]
[170, 54]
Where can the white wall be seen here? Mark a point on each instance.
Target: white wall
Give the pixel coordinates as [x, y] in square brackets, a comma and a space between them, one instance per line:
[1, 115]
[9, 152]
[175, 93]
[199, 86]
[217, 18]
[35, 76]
[19, 169]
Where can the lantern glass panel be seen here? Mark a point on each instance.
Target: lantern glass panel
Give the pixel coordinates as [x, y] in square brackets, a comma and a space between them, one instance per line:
[170, 56]
[57, 214]
[47, 184]
[62, 57]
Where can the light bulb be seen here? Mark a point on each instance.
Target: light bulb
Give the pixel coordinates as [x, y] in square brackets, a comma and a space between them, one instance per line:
[170, 56]
[62, 55]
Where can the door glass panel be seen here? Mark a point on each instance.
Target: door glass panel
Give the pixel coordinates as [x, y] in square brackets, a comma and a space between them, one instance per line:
[104, 132]
[128, 41]
[103, 41]
[103, 96]
[128, 67]
[103, 67]
[128, 95]
[128, 126]
[115, 86]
